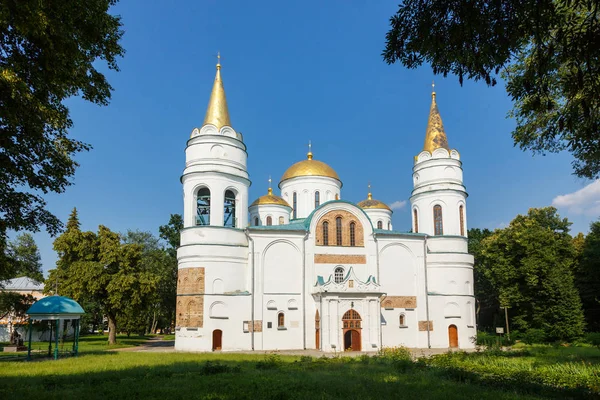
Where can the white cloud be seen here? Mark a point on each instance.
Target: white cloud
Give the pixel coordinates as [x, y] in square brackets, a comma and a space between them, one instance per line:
[585, 201]
[398, 205]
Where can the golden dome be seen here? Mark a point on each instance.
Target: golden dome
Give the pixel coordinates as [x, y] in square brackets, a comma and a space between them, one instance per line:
[270, 198]
[309, 167]
[371, 203]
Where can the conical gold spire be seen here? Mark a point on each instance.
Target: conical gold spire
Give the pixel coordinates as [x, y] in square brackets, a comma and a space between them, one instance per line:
[435, 137]
[217, 113]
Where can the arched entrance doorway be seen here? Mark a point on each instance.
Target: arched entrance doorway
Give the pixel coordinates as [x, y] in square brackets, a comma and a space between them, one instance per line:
[453, 336]
[217, 339]
[317, 331]
[352, 330]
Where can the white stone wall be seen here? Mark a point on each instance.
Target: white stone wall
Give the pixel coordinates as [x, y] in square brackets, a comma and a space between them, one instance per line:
[280, 215]
[305, 188]
[380, 214]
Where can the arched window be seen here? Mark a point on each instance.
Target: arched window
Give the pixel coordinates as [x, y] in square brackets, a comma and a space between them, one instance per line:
[256, 221]
[352, 234]
[437, 220]
[402, 320]
[229, 209]
[280, 320]
[203, 207]
[338, 231]
[325, 233]
[462, 220]
[416, 218]
[351, 317]
[379, 225]
[337, 196]
[294, 205]
[281, 220]
[269, 221]
[389, 226]
[317, 199]
[338, 275]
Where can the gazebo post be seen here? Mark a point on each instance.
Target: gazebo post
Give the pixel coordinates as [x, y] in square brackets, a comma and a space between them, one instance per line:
[29, 345]
[77, 328]
[56, 339]
[50, 340]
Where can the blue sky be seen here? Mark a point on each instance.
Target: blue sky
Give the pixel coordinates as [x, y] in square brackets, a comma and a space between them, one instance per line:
[293, 72]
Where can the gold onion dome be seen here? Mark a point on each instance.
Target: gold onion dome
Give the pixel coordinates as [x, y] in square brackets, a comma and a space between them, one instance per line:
[371, 203]
[217, 113]
[309, 167]
[435, 136]
[270, 199]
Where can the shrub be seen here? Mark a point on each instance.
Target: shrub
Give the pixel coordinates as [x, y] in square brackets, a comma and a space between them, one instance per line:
[213, 368]
[395, 353]
[492, 340]
[532, 336]
[271, 361]
[593, 338]
[306, 359]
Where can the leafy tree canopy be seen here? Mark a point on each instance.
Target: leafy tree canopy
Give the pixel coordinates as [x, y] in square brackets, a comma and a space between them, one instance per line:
[49, 51]
[548, 52]
[587, 276]
[529, 265]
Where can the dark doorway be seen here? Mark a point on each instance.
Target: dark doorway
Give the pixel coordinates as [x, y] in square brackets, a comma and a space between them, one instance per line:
[352, 340]
[453, 336]
[217, 339]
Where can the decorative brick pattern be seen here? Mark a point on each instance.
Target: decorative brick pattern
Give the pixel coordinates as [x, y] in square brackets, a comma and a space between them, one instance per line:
[399, 302]
[190, 311]
[347, 219]
[190, 281]
[423, 325]
[340, 259]
[257, 326]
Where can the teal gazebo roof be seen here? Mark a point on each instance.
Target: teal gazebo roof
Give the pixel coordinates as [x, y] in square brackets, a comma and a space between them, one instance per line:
[55, 307]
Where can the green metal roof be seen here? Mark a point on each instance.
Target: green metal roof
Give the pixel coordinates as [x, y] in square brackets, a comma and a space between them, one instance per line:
[386, 232]
[287, 227]
[55, 305]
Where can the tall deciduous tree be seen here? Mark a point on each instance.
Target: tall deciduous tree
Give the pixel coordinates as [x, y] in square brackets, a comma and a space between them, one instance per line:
[100, 268]
[49, 52]
[485, 294]
[529, 265]
[548, 52]
[587, 274]
[26, 257]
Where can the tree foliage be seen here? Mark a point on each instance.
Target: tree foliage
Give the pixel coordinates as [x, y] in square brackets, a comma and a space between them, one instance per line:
[14, 303]
[529, 264]
[485, 294]
[49, 51]
[548, 52]
[587, 276]
[25, 257]
[100, 268]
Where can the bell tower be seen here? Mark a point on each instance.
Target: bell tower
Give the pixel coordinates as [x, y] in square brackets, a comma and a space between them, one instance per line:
[215, 179]
[438, 201]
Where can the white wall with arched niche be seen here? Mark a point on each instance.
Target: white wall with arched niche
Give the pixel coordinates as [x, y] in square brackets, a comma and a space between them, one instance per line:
[282, 268]
[280, 215]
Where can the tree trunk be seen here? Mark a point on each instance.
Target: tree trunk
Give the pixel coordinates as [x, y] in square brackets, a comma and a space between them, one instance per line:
[112, 329]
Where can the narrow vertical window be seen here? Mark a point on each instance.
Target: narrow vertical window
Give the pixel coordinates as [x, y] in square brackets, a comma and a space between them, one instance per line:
[462, 220]
[389, 226]
[203, 207]
[337, 196]
[338, 231]
[281, 220]
[280, 320]
[437, 220]
[256, 221]
[325, 233]
[379, 225]
[317, 199]
[402, 320]
[229, 209]
[269, 221]
[294, 205]
[416, 218]
[352, 234]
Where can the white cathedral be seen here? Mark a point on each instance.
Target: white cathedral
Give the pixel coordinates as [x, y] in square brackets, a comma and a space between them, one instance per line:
[310, 270]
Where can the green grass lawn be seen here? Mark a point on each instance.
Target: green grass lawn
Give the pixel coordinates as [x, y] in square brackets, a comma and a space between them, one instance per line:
[87, 344]
[118, 375]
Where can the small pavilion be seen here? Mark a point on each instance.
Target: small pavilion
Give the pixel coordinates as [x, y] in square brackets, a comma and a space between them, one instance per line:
[56, 308]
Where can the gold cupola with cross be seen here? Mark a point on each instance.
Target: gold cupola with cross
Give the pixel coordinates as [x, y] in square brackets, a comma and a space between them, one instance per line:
[435, 135]
[217, 113]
